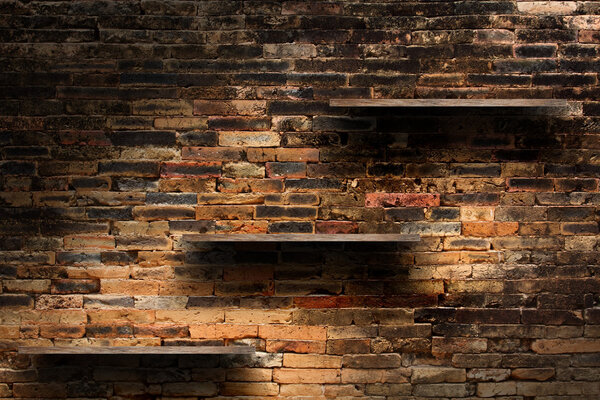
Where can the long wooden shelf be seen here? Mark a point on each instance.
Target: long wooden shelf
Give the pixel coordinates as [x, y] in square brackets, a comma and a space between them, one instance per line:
[137, 350]
[302, 237]
[518, 103]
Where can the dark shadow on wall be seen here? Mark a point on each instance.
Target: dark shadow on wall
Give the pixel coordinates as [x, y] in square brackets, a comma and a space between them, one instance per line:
[339, 285]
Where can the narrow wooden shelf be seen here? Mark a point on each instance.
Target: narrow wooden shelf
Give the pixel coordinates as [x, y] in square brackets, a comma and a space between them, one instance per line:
[302, 237]
[137, 350]
[518, 103]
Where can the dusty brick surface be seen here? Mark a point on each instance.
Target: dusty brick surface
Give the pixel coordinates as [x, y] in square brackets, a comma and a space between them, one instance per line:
[127, 124]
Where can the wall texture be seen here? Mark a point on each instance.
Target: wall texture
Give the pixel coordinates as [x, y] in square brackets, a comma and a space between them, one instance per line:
[126, 124]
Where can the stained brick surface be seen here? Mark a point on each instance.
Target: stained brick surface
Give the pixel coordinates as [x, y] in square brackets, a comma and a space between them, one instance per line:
[126, 124]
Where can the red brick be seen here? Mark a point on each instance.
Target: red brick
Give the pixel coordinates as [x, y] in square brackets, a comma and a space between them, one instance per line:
[336, 227]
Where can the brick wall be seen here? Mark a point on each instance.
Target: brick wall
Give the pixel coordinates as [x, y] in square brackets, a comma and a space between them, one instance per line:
[126, 124]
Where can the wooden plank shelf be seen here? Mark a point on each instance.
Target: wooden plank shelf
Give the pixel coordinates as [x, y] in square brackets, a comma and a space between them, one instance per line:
[517, 103]
[302, 237]
[136, 350]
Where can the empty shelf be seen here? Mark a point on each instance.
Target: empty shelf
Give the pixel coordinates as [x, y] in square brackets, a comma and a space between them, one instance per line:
[137, 350]
[447, 103]
[302, 237]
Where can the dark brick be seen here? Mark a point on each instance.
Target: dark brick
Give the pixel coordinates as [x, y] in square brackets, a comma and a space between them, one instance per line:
[536, 50]
[17, 168]
[148, 78]
[129, 168]
[171, 198]
[530, 184]
[551, 317]
[16, 301]
[142, 138]
[404, 214]
[286, 169]
[290, 227]
[239, 123]
[69, 286]
[190, 169]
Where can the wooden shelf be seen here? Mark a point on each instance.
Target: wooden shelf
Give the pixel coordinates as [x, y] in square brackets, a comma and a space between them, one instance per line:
[302, 237]
[137, 350]
[518, 103]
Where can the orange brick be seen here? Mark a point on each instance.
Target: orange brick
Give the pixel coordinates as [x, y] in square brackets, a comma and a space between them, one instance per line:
[291, 360]
[177, 288]
[249, 389]
[162, 331]
[489, 228]
[298, 154]
[293, 332]
[223, 331]
[250, 374]
[305, 375]
[296, 346]
[89, 242]
[129, 287]
[62, 331]
[229, 212]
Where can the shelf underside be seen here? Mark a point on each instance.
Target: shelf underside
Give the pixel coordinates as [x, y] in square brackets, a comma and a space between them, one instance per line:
[519, 103]
[302, 237]
[138, 350]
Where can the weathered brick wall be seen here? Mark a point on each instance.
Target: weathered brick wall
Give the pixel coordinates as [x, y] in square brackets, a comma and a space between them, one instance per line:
[126, 124]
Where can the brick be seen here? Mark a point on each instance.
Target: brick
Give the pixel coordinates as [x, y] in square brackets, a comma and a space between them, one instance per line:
[16, 301]
[486, 229]
[289, 50]
[180, 123]
[530, 184]
[401, 200]
[227, 331]
[249, 139]
[397, 375]
[233, 107]
[193, 389]
[154, 213]
[305, 375]
[562, 346]
[370, 361]
[547, 7]
[162, 331]
[493, 389]
[458, 345]
[291, 360]
[89, 242]
[437, 375]
[212, 153]
[129, 168]
[292, 332]
[285, 169]
[190, 169]
[250, 389]
[239, 123]
[530, 374]
[295, 346]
